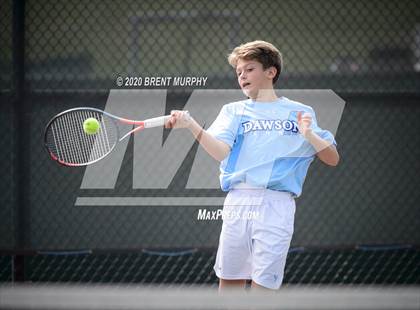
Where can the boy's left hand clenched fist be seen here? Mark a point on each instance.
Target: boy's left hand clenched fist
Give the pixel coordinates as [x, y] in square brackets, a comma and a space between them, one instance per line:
[304, 124]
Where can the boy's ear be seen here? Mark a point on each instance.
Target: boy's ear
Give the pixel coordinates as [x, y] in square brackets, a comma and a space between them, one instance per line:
[272, 71]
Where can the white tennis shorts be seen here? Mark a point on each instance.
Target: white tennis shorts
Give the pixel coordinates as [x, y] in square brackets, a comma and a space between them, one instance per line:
[255, 237]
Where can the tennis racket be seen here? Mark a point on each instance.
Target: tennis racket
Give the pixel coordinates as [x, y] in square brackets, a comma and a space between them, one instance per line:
[68, 143]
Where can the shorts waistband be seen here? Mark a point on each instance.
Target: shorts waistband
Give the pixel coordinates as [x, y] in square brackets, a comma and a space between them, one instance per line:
[246, 186]
[254, 190]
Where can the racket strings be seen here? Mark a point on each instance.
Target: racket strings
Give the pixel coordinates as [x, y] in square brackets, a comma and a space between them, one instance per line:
[68, 142]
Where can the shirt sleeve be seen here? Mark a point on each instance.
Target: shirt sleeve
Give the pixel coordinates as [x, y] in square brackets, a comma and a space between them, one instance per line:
[224, 127]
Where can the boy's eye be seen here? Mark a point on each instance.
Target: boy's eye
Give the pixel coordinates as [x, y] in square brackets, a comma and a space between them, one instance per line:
[238, 73]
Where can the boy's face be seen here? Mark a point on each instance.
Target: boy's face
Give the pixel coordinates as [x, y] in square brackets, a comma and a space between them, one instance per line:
[252, 77]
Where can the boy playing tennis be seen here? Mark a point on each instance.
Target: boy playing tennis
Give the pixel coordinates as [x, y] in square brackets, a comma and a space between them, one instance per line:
[265, 145]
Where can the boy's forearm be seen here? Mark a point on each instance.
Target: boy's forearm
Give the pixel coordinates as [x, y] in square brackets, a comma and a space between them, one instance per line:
[215, 148]
[326, 151]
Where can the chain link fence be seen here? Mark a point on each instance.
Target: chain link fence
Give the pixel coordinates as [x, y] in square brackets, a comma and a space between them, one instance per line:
[367, 52]
[347, 46]
[390, 266]
[6, 50]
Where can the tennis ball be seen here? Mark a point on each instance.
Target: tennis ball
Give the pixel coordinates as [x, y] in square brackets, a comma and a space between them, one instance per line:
[91, 126]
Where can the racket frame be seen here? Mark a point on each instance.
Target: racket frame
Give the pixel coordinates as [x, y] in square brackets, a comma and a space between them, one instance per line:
[140, 125]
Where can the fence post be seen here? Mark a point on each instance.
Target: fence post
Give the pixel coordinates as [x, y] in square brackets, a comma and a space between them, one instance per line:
[21, 159]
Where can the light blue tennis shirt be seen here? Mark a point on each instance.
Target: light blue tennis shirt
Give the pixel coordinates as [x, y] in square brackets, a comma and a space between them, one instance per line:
[267, 150]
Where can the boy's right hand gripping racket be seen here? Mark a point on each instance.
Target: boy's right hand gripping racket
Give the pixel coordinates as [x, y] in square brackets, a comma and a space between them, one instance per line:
[68, 143]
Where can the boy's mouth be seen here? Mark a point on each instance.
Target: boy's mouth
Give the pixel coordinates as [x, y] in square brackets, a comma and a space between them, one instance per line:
[245, 84]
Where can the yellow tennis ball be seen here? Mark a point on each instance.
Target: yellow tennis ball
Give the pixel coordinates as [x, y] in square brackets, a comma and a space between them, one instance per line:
[91, 126]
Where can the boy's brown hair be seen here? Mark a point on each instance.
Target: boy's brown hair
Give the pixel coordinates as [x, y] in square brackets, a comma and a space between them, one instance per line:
[263, 52]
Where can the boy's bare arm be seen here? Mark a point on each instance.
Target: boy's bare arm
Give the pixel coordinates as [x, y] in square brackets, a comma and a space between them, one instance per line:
[215, 148]
[326, 151]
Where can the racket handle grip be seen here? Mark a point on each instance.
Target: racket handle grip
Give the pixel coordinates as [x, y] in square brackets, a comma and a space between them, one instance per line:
[156, 121]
